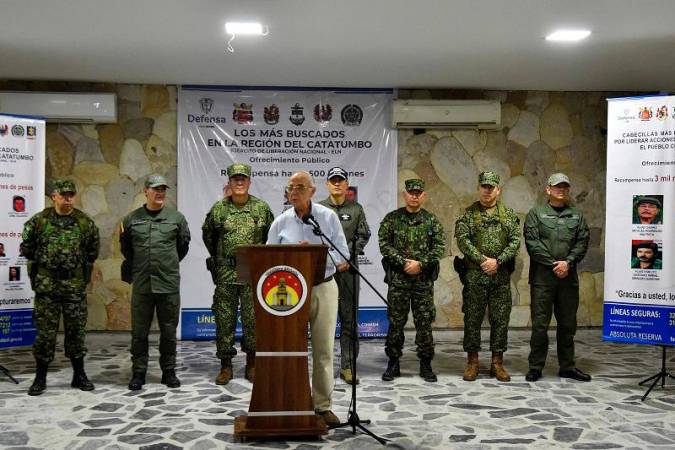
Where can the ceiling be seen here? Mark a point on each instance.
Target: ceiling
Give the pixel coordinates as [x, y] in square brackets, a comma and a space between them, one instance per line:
[485, 44]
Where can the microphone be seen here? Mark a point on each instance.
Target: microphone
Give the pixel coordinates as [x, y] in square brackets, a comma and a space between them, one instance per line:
[307, 218]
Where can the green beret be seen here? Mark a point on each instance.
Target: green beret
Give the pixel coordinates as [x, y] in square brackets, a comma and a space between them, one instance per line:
[239, 169]
[490, 178]
[154, 181]
[64, 185]
[651, 200]
[414, 184]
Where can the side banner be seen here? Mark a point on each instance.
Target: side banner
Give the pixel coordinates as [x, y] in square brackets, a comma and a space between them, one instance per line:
[639, 234]
[22, 175]
[278, 131]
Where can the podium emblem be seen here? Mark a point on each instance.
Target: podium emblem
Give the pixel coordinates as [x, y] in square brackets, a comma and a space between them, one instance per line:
[281, 290]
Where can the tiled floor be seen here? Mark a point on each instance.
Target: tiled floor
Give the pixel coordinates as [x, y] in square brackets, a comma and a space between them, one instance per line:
[485, 414]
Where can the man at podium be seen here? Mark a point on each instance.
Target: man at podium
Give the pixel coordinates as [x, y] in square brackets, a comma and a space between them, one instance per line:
[293, 227]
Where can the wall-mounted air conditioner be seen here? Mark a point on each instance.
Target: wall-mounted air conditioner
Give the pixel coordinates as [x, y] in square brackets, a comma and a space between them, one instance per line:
[473, 114]
[65, 107]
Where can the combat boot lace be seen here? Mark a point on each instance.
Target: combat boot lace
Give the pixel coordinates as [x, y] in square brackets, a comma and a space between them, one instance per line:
[80, 379]
[137, 381]
[497, 369]
[393, 370]
[426, 372]
[249, 372]
[40, 383]
[471, 371]
[170, 379]
[225, 374]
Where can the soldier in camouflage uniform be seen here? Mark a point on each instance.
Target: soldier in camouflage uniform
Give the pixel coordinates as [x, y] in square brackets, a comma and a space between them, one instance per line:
[61, 244]
[238, 219]
[488, 234]
[556, 236]
[411, 243]
[154, 239]
[357, 233]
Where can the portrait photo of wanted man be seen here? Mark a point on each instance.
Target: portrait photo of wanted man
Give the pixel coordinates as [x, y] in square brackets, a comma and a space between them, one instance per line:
[645, 255]
[648, 209]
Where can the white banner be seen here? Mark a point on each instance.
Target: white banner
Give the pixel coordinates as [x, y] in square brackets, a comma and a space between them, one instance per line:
[22, 178]
[278, 131]
[640, 230]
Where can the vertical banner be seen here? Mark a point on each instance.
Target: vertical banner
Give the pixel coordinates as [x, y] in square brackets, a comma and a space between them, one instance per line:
[278, 131]
[22, 175]
[639, 234]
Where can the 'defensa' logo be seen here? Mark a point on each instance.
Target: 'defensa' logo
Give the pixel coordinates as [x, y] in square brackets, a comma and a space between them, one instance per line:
[282, 290]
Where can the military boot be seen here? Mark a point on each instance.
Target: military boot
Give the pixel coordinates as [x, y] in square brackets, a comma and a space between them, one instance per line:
[170, 379]
[426, 371]
[497, 369]
[40, 383]
[137, 380]
[80, 379]
[225, 374]
[471, 371]
[250, 367]
[393, 370]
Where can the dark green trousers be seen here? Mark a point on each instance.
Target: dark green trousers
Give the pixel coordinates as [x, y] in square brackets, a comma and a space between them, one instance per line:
[561, 299]
[226, 301]
[347, 284]
[47, 312]
[143, 307]
[478, 296]
[420, 300]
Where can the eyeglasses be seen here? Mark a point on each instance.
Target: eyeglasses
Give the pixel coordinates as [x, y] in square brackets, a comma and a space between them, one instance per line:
[295, 187]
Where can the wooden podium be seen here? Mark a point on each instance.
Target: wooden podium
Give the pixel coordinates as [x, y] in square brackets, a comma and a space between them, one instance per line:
[281, 277]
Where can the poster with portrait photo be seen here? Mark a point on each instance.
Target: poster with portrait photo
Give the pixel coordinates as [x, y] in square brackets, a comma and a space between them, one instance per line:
[646, 255]
[648, 209]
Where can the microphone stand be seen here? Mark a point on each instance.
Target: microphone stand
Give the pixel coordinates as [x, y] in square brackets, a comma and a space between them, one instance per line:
[7, 373]
[353, 419]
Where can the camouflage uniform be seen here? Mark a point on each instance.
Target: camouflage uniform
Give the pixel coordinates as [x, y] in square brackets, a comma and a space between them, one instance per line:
[61, 250]
[357, 233]
[418, 236]
[494, 233]
[227, 226]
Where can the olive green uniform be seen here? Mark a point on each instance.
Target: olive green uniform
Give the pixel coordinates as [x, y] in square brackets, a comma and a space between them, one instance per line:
[552, 235]
[418, 236]
[357, 232]
[495, 233]
[153, 245]
[227, 226]
[61, 250]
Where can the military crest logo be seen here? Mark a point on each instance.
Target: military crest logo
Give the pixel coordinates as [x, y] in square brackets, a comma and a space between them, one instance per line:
[206, 104]
[662, 113]
[243, 113]
[351, 115]
[323, 113]
[645, 113]
[282, 290]
[31, 132]
[17, 130]
[4, 129]
[271, 114]
[297, 116]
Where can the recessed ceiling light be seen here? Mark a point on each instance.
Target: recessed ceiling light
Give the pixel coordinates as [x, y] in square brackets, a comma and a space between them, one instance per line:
[568, 35]
[241, 28]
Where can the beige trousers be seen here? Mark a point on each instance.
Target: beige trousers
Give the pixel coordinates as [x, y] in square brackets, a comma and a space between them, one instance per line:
[322, 322]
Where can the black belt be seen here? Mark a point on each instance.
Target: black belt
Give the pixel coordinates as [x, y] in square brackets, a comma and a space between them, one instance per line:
[62, 274]
[325, 280]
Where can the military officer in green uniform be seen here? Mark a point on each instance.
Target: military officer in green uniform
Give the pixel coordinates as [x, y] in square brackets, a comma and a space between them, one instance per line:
[357, 233]
[488, 234]
[154, 239]
[237, 219]
[412, 242]
[556, 236]
[61, 244]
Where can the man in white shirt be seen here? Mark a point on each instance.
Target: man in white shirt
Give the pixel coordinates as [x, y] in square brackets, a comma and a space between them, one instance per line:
[288, 228]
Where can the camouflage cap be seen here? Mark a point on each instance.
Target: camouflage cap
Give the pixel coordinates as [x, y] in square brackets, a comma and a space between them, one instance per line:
[239, 169]
[154, 181]
[64, 185]
[489, 178]
[650, 200]
[558, 178]
[414, 184]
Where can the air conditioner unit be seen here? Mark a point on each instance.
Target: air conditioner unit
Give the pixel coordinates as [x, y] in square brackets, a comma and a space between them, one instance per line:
[472, 114]
[64, 107]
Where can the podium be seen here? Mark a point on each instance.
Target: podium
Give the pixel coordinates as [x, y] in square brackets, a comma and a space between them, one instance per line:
[281, 278]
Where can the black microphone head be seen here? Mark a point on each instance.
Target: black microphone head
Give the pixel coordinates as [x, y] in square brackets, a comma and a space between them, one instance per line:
[306, 217]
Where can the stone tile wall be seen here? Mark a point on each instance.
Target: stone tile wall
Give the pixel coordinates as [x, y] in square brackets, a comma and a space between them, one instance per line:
[543, 132]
